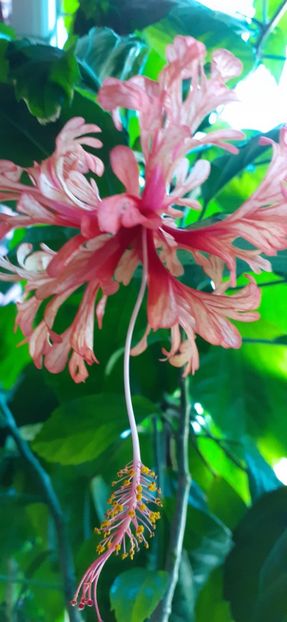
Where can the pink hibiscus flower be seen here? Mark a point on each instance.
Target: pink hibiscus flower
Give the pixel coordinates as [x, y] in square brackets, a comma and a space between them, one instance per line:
[113, 235]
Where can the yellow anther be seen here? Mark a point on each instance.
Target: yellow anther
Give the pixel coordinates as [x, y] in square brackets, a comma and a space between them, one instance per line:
[139, 530]
[117, 548]
[101, 549]
[152, 487]
[145, 470]
[97, 531]
[124, 555]
[139, 488]
[105, 524]
[126, 483]
[109, 544]
[142, 507]
[139, 497]
[146, 545]
[132, 513]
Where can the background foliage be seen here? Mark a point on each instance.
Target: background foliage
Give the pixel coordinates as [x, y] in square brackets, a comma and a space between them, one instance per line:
[233, 567]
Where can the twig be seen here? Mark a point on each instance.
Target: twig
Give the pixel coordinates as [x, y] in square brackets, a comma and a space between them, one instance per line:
[221, 444]
[265, 342]
[163, 610]
[279, 57]
[65, 554]
[201, 456]
[267, 29]
[266, 284]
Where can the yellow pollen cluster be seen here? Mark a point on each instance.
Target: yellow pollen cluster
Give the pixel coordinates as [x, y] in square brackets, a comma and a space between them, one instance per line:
[129, 521]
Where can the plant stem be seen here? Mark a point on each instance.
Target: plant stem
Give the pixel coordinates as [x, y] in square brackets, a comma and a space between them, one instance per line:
[65, 553]
[163, 611]
[267, 29]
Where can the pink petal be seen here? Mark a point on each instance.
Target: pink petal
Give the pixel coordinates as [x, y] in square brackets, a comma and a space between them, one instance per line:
[117, 210]
[125, 167]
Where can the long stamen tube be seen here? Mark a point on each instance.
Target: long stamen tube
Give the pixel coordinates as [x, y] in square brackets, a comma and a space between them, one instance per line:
[130, 410]
[129, 522]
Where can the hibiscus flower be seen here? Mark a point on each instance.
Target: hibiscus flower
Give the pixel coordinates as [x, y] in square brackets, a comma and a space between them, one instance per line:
[116, 234]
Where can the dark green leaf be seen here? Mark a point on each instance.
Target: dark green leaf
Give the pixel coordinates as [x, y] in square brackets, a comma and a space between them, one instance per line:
[255, 538]
[122, 16]
[43, 76]
[183, 600]
[24, 140]
[279, 263]
[225, 503]
[136, 593]
[260, 474]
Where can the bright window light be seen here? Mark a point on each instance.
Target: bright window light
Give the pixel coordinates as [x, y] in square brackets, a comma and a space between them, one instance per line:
[280, 470]
[261, 102]
[196, 427]
[232, 7]
[125, 434]
[198, 408]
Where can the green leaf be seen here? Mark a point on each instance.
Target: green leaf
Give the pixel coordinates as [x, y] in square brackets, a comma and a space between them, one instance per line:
[24, 140]
[102, 53]
[6, 32]
[83, 429]
[225, 503]
[136, 593]
[43, 76]
[256, 541]
[69, 8]
[13, 359]
[226, 167]
[275, 42]
[214, 28]
[245, 382]
[261, 476]
[210, 605]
